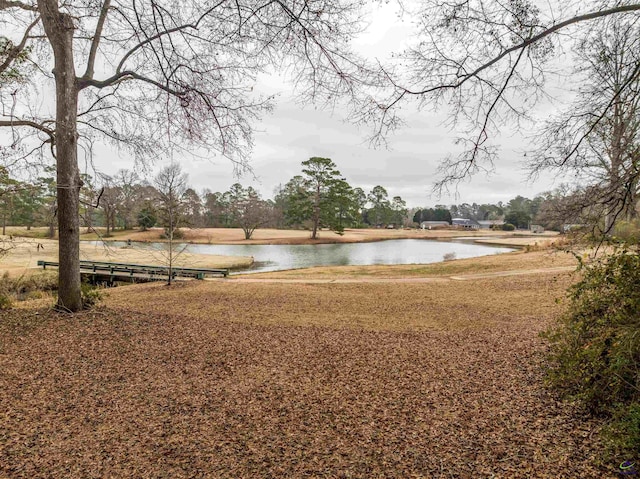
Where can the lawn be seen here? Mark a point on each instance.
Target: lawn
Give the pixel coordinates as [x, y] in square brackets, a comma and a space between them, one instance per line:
[229, 379]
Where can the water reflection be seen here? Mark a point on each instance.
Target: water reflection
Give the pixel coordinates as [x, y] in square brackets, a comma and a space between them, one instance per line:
[280, 257]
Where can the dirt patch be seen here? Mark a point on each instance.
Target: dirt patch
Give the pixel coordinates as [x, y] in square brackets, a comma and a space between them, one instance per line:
[221, 379]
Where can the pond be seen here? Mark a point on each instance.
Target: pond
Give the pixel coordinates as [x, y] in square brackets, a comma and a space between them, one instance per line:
[281, 257]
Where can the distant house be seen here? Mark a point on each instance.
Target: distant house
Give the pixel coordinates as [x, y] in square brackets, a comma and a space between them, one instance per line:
[490, 224]
[465, 223]
[428, 225]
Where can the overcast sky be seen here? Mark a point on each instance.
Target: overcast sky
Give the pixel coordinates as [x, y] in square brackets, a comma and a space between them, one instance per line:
[293, 133]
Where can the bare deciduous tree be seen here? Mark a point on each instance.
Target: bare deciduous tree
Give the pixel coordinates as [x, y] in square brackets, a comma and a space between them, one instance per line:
[597, 139]
[155, 75]
[126, 180]
[171, 184]
[110, 201]
[489, 62]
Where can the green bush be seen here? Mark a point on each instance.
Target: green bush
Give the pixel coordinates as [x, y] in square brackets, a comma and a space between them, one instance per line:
[147, 218]
[508, 227]
[91, 295]
[624, 429]
[595, 347]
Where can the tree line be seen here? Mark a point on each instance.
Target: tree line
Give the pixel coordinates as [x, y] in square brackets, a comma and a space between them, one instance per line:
[319, 197]
[551, 209]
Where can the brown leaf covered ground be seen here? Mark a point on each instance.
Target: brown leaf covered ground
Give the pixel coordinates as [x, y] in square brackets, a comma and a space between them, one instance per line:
[223, 379]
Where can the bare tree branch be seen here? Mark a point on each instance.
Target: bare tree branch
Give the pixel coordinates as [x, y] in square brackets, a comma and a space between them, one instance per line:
[178, 79]
[127, 75]
[159, 35]
[29, 123]
[88, 74]
[15, 51]
[6, 4]
[524, 44]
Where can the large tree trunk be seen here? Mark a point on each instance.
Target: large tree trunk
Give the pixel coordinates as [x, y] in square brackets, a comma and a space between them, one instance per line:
[59, 29]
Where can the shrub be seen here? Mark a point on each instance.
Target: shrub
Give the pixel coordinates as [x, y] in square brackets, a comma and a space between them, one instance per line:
[5, 301]
[508, 227]
[44, 281]
[449, 256]
[624, 429]
[22, 287]
[147, 218]
[37, 286]
[529, 248]
[595, 347]
[91, 295]
[177, 234]
[627, 231]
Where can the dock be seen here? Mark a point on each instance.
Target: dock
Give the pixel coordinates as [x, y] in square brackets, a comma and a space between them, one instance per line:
[110, 272]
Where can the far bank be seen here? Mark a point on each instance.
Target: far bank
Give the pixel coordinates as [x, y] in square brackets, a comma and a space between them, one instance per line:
[276, 236]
